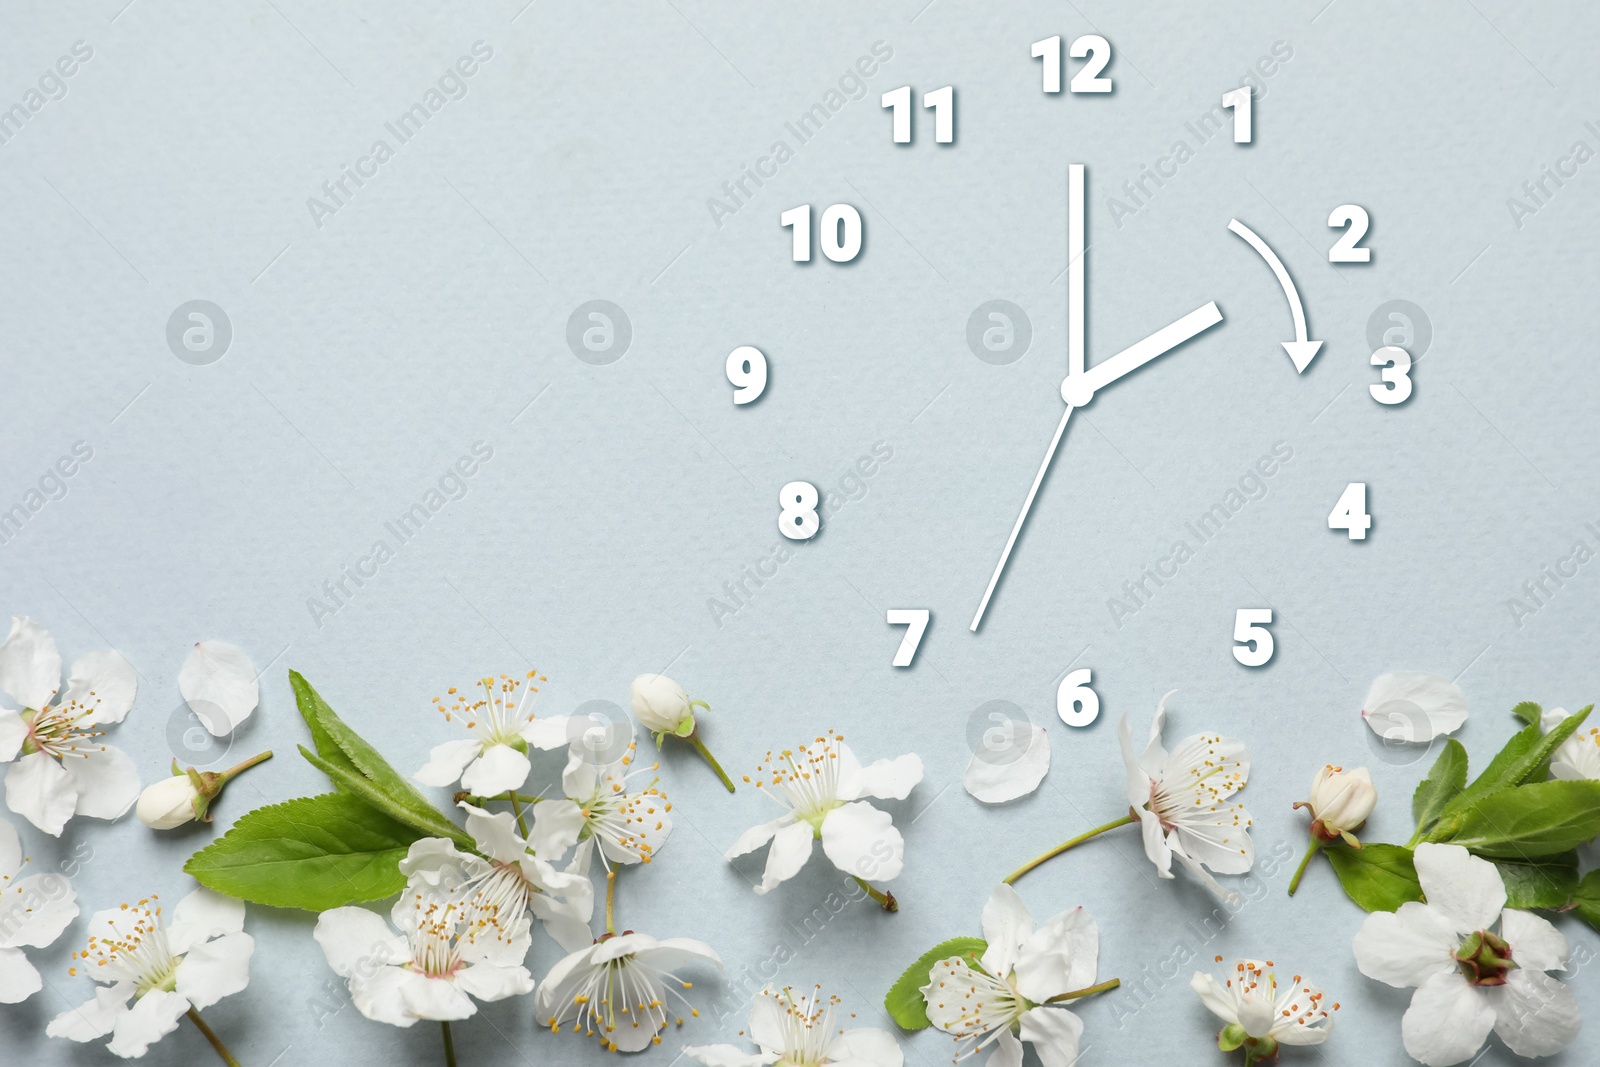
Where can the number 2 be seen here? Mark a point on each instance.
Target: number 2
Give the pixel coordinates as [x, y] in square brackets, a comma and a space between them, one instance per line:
[1396, 375]
[1344, 250]
[915, 620]
[1253, 641]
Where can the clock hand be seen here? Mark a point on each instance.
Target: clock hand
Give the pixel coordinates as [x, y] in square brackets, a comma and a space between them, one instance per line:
[1022, 516]
[1075, 251]
[1078, 389]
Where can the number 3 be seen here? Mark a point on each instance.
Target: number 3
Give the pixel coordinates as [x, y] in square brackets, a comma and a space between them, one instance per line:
[797, 517]
[1254, 643]
[1396, 364]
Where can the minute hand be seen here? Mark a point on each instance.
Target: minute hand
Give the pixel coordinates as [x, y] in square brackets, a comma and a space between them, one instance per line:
[1138, 354]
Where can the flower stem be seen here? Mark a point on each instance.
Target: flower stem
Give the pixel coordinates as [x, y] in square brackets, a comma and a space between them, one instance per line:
[522, 824]
[211, 1036]
[449, 1045]
[1294, 882]
[884, 898]
[261, 757]
[1059, 849]
[1089, 991]
[705, 754]
[611, 895]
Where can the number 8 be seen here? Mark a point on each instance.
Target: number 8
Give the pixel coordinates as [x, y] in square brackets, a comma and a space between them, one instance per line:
[797, 517]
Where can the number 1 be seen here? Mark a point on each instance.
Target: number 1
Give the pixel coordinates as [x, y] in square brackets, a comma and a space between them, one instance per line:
[943, 103]
[900, 100]
[1239, 101]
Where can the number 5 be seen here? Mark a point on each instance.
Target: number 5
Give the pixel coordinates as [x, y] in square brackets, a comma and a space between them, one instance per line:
[1254, 643]
[915, 620]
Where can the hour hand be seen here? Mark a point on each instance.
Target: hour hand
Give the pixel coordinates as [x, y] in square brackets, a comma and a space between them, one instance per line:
[1078, 389]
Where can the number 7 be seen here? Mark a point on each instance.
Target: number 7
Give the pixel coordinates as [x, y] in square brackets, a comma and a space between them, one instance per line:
[916, 622]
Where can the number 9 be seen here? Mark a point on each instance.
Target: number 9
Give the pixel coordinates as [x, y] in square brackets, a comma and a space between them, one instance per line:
[747, 370]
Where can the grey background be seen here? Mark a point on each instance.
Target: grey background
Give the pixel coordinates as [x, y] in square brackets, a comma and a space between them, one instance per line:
[430, 311]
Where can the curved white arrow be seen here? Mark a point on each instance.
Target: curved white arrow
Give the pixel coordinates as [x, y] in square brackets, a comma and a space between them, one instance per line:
[1301, 350]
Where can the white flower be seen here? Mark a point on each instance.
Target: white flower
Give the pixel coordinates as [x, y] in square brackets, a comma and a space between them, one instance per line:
[1254, 1010]
[1022, 969]
[617, 988]
[33, 912]
[661, 705]
[802, 1032]
[168, 803]
[219, 684]
[494, 760]
[625, 827]
[819, 786]
[203, 956]
[1578, 757]
[1013, 760]
[61, 768]
[447, 953]
[1340, 802]
[518, 876]
[1414, 706]
[1181, 802]
[1468, 978]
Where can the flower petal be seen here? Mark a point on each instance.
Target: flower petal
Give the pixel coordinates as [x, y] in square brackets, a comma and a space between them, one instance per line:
[13, 732]
[671, 953]
[769, 1018]
[104, 682]
[1217, 998]
[447, 761]
[1447, 1021]
[380, 995]
[220, 685]
[1219, 837]
[865, 1047]
[495, 833]
[215, 969]
[1061, 956]
[556, 826]
[34, 910]
[1406, 947]
[728, 1056]
[1414, 706]
[93, 1019]
[1054, 1034]
[358, 942]
[1154, 838]
[152, 1017]
[889, 779]
[1208, 766]
[1007, 922]
[997, 782]
[1138, 780]
[30, 666]
[1535, 1015]
[106, 781]
[546, 735]
[757, 836]
[1466, 890]
[955, 994]
[19, 979]
[433, 998]
[862, 841]
[490, 982]
[10, 850]
[1007, 1051]
[1534, 942]
[1194, 867]
[791, 847]
[209, 914]
[499, 769]
[41, 792]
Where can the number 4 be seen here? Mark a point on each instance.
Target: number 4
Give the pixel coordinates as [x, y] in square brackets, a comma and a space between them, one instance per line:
[915, 620]
[1350, 513]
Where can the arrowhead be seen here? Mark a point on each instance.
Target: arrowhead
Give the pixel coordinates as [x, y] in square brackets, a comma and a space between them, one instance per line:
[1302, 352]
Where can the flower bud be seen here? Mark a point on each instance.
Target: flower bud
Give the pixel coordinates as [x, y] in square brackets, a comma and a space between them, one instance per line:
[661, 705]
[169, 803]
[1340, 802]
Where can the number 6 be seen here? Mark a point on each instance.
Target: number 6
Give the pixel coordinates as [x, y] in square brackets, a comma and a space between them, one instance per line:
[1254, 647]
[1076, 703]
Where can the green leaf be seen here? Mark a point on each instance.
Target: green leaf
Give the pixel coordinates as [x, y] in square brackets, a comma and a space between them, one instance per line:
[1528, 712]
[1538, 819]
[352, 754]
[904, 999]
[1586, 901]
[365, 790]
[314, 853]
[1377, 876]
[1448, 778]
[1548, 882]
[1526, 757]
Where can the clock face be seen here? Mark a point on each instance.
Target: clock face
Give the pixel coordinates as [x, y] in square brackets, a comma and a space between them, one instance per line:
[903, 373]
